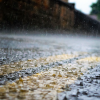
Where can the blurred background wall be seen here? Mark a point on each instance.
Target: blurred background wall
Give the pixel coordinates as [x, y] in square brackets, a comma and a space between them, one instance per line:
[44, 14]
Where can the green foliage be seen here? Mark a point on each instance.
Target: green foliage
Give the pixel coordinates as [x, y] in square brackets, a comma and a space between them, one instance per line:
[96, 9]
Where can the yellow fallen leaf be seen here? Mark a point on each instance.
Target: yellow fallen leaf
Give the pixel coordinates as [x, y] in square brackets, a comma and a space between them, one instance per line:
[24, 90]
[36, 75]
[53, 83]
[59, 90]
[13, 84]
[90, 59]
[81, 73]
[20, 80]
[53, 75]
[75, 73]
[59, 75]
[12, 89]
[2, 89]
[49, 86]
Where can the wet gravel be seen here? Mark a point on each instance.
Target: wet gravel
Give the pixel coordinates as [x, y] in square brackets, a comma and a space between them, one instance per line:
[14, 48]
[85, 88]
[30, 71]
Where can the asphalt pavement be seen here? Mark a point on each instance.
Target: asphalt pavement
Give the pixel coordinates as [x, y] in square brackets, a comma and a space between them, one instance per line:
[49, 67]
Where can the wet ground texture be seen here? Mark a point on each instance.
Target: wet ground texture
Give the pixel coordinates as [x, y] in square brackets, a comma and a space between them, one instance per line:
[46, 67]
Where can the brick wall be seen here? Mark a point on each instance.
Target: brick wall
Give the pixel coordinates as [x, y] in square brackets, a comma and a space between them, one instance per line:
[48, 14]
[65, 1]
[36, 14]
[85, 23]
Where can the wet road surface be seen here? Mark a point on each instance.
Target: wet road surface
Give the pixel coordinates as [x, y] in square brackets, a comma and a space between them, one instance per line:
[49, 67]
